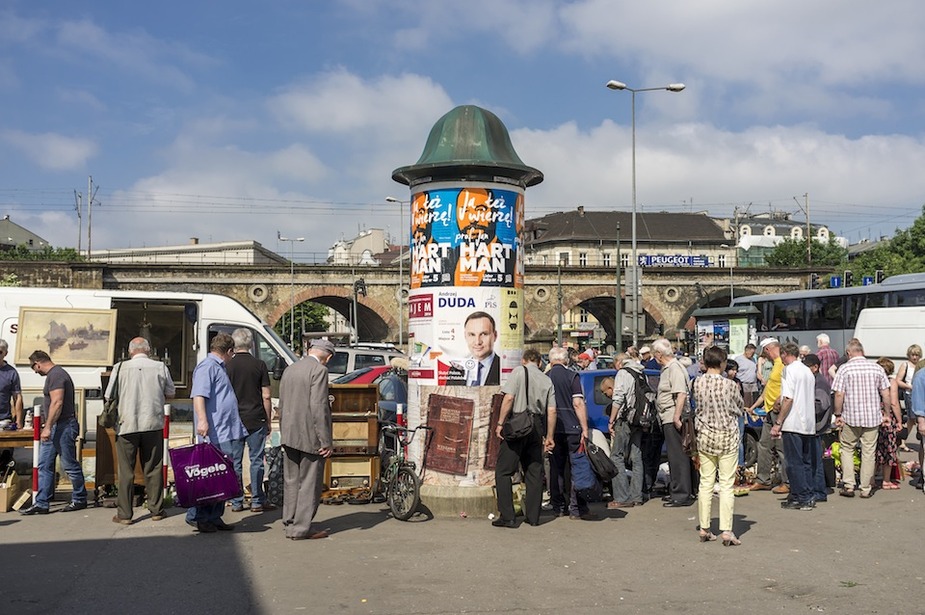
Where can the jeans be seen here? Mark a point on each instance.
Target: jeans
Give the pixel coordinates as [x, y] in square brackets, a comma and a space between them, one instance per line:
[209, 513]
[651, 446]
[820, 489]
[741, 440]
[560, 482]
[798, 449]
[256, 447]
[625, 440]
[63, 442]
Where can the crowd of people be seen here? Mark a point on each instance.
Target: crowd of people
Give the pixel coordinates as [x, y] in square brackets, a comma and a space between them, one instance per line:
[803, 400]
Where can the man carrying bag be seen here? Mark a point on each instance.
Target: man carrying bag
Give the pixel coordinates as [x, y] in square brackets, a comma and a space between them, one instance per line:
[527, 390]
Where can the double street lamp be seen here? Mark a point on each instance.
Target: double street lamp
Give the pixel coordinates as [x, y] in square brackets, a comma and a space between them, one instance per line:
[401, 268]
[634, 265]
[292, 242]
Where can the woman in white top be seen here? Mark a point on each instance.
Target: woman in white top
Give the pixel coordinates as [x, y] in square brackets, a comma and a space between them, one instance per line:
[904, 382]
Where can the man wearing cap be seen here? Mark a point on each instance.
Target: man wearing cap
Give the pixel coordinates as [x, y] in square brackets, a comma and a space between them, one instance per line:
[307, 438]
[770, 400]
[585, 361]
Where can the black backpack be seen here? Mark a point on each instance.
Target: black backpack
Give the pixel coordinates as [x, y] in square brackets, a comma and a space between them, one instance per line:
[644, 415]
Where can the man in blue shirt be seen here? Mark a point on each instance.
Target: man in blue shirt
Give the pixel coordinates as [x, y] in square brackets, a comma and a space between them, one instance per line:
[216, 413]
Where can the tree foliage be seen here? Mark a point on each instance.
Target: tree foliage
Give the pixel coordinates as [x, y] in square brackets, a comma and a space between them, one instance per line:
[792, 253]
[48, 253]
[308, 316]
[904, 253]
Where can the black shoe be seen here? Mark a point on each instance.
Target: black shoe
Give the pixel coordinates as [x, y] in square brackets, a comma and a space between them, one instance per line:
[72, 506]
[205, 527]
[34, 510]
[791, 505]
[666, 498]
[222, 526]
[499, 522]
[673, 504]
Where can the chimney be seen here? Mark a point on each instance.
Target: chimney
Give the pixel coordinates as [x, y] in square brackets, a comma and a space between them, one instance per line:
[194, 241]
[581, 211]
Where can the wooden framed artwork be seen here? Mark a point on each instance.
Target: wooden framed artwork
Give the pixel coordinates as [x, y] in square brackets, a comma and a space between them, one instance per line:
[70, 336]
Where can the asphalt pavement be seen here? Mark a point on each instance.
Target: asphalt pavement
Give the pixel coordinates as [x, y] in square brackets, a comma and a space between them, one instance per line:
[847, 555]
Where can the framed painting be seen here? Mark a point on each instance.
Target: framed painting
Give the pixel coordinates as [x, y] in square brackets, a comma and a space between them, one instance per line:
[70, 336]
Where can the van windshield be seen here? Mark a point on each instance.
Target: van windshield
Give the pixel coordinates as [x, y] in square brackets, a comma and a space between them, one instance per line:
[274, 336]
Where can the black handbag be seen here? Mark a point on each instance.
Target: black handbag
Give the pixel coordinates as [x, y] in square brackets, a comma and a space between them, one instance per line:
[601, 463]
[519, 424]
[109, 417]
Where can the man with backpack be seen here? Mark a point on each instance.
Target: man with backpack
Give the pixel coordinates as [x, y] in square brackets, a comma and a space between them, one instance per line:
[633, 412]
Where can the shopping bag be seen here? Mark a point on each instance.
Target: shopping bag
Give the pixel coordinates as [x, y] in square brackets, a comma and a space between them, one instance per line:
[203, 475]
[274, 488]
[584, 480]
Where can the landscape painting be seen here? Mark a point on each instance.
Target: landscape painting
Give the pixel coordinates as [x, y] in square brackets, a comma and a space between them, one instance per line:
[71, 336]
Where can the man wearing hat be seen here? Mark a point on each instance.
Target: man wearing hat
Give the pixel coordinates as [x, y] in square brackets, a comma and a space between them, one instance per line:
[307, 438]
[770, 400]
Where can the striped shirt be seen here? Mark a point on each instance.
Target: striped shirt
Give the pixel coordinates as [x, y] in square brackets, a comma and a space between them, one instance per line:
[861, 381]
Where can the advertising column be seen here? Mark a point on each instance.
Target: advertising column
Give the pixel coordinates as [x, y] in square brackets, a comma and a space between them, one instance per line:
[465, 319]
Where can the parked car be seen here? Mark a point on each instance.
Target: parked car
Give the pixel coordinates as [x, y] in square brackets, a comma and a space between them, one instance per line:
[364, 375]
[350, 358]
[595, 402]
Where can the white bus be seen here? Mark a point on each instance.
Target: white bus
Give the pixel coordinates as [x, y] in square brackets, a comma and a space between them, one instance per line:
[800, 315]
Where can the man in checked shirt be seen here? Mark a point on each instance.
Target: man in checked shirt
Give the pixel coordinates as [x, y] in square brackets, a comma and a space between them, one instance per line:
[862, 404]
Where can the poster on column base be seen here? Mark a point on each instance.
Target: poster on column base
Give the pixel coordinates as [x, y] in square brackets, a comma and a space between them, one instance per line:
[465, 336]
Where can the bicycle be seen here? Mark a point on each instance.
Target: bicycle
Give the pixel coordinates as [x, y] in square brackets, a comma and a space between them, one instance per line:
[399, 481]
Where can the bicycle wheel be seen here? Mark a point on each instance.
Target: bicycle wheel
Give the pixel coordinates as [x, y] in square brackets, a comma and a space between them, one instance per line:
[404, 493]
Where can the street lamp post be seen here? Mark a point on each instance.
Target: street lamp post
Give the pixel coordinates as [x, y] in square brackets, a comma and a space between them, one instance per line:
[618, 307]
[731, 280]
[634, 265]
[401, 269]
[292, 242]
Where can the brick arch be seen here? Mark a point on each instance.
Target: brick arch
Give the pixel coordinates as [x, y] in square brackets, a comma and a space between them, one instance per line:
[346, 293]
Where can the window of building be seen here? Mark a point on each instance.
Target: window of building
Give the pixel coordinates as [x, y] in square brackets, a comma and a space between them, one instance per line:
[624, 260]
[582, 259]
[607, 259]
[796, 232]
[745, 230]
[721, 260]
[545, 259]
[564, 258]
[583, 315]
[769, 231]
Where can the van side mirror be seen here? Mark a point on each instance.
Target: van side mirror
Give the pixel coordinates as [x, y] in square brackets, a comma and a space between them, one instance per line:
[279, 368]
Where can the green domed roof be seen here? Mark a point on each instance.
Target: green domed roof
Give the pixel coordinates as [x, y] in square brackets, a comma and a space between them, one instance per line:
[468, 143]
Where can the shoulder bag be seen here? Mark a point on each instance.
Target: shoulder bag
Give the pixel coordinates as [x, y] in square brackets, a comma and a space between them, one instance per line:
[519, 424]
[109, 417]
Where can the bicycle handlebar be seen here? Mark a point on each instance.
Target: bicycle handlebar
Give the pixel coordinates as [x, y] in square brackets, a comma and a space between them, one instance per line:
[409, 433]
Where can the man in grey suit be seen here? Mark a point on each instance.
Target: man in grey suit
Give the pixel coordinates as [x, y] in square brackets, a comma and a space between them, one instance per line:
[306, 436]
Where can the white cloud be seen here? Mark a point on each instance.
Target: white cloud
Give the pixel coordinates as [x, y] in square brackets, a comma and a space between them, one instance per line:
[83, 98]
[52, 151]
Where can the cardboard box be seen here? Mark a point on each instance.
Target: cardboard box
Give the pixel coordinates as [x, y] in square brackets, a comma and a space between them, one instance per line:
[9, 492]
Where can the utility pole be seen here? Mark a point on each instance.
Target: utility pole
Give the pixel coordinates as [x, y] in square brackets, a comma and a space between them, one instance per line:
[91, 194]
[809, 232]
[80, 228]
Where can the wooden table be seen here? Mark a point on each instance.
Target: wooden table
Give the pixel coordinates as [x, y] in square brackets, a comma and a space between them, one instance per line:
[21, 438]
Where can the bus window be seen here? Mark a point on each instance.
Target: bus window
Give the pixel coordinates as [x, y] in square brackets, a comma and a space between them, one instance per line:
[787, 315]
[824, 313]
[907, 298]
[855, 303]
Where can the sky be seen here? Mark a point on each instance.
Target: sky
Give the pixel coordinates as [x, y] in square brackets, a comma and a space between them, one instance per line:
[231, 120]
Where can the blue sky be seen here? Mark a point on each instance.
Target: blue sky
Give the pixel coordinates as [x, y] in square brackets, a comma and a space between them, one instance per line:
[232, 120]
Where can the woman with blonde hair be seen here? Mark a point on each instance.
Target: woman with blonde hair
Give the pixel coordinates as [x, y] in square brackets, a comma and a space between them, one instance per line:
[719, 406]
[887, 449]
[904, 374]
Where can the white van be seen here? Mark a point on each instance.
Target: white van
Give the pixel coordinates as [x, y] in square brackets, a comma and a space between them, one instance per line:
[888, 332]
[178, 325]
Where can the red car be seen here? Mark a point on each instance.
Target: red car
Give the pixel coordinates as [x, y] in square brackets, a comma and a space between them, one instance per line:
[364, 375]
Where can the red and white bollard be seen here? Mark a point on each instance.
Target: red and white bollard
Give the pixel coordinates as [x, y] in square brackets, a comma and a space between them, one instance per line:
[36, 442]
[166, 445]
